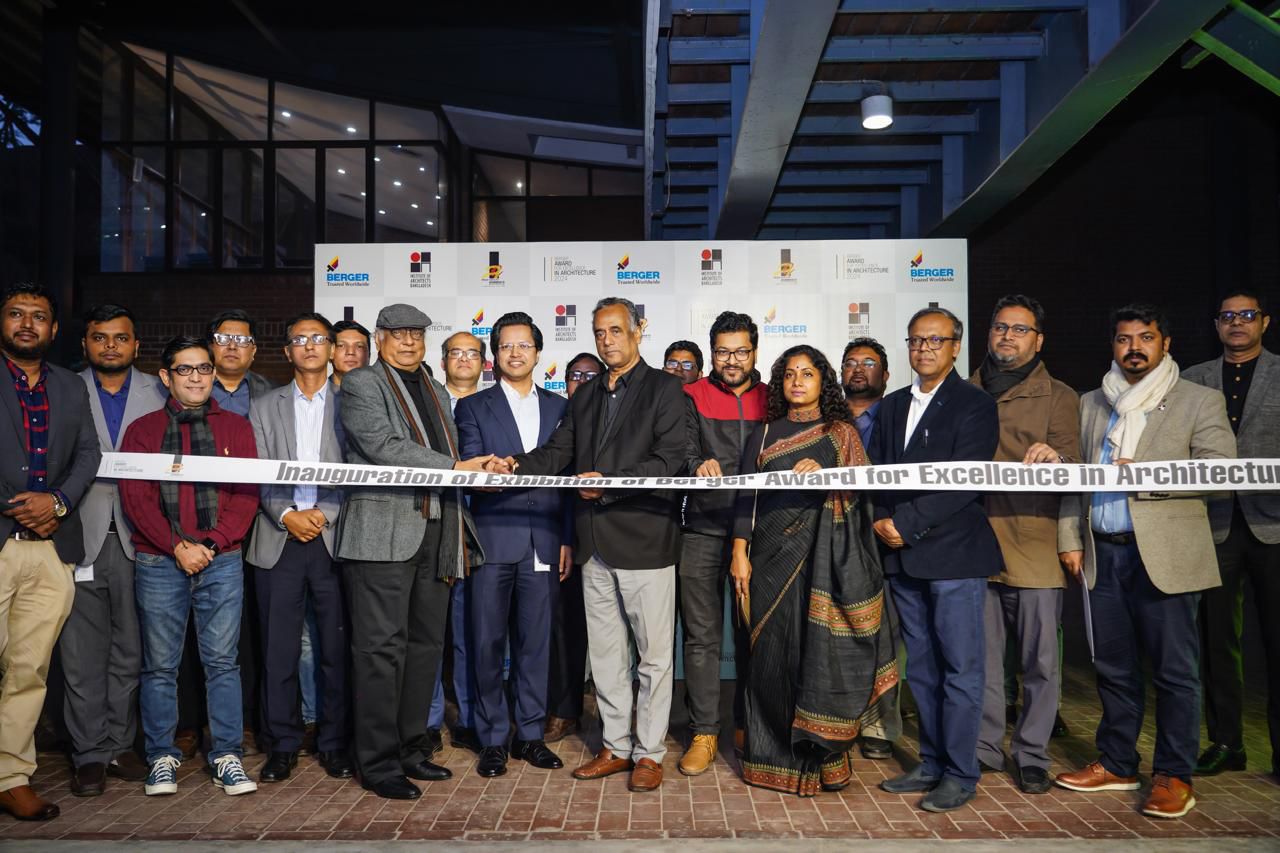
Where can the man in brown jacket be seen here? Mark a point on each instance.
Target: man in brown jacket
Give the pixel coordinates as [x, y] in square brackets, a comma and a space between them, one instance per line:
[1039, 422]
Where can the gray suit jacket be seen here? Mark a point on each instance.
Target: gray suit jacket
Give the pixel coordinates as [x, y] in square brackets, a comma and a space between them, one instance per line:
[1172, 528]
[72, 460]
[386, 524]
[1257, 438]
[101, 504]
[272, 417]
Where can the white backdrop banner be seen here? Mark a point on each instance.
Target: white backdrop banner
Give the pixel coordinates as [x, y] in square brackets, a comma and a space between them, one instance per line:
[821, 292]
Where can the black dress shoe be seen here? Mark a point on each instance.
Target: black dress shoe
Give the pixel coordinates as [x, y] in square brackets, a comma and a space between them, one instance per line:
[948, 796]
[278, 767]
[428, 772]
[395, 788]
[876, 748]
[1220, 757]
[493, 761]
[1034, 780]
[89, 780]
[1059, 727]
[435, 742]
[911, 782]
[536, 753]
[465, 738]
[337, 764]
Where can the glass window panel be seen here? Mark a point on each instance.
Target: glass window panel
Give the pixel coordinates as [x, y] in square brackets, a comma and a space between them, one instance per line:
[306, 114]
[214, 103]
[407, 183]
[148, 104]
[498, 222]
[344, 197]
[132, 210]
[242, 206]
[397, 122]
[497, 175]
[194, 192]
[295, 207]
[557, 179]
[112, 93]
[617, 182]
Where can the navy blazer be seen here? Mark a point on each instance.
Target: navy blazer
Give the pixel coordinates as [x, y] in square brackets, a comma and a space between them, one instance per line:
[947, 534]
[512, 523]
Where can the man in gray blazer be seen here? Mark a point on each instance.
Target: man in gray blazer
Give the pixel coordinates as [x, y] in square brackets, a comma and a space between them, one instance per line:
[292, 551]
[100, 646]
[1146, 556]
[400, 547]
[48, 457]
[1246, 529]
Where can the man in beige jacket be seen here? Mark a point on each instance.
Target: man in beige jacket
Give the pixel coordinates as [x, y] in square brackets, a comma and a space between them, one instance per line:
[1146, 556]
[1039, 422]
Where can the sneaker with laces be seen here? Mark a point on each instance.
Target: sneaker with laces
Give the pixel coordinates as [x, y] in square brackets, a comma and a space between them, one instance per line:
[163, 777]
[229, 775]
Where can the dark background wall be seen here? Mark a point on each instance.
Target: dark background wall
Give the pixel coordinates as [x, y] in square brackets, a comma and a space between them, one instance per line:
[1173, 199]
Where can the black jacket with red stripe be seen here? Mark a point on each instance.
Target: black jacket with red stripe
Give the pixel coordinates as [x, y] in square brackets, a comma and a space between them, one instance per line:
[719, 424]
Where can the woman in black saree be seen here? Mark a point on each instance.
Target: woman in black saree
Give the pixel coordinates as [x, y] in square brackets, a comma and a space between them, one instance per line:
[822, 661]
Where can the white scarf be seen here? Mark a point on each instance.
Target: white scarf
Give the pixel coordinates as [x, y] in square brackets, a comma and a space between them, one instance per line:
[1132, 403]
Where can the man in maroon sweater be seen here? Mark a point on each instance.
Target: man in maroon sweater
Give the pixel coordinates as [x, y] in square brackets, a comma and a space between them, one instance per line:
[187, 542]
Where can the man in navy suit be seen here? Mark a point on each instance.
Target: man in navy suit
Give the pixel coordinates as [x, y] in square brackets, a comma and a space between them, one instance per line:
[938, 552]
[522, 534]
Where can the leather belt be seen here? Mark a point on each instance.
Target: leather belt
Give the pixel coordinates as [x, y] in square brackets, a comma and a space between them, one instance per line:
[24, 535]
[1115, 538]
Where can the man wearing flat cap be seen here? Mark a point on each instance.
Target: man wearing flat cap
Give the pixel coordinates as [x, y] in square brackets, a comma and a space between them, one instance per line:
[401, 547]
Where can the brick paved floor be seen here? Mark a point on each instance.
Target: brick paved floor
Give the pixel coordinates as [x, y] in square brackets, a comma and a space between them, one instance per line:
[530, 804]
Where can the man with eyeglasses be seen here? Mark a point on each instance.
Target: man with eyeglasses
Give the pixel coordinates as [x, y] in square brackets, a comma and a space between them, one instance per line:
[401, 547]
[350, 349]
[462, 357]
[684, 360]
[293, 548]
[50, 455]
[1246, 530]
[938, 550]
[187, 541]
[1039, 422]
[725, 407]
[512, 596]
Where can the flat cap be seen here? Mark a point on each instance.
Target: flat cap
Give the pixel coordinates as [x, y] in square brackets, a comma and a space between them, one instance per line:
[402, 316]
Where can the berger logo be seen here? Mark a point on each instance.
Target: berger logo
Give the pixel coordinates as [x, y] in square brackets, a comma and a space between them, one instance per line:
[771, 313]
[558, 268]
[930, 275]
[419, 269]
[782, 330]
[786, 271]
[856, 266]
[477, 325]
[566, 324]
[625, 274]
[493, 274]
[344, 279]
[712, 267]
[549, 381]
[859, 319]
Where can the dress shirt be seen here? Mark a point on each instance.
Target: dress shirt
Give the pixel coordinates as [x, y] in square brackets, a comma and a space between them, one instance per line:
[865, 423]
[920, 401]
[1110, 509]
[1236, 379]
[308, 427]
[113, 405]
[614, 397]
[237, 401]
[525, 411]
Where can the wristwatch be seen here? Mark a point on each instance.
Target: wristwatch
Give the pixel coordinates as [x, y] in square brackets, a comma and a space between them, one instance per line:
[211, 545]
[60, 509]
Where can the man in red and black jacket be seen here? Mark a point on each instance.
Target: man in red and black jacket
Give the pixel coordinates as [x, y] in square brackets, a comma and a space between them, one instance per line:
[726, 406]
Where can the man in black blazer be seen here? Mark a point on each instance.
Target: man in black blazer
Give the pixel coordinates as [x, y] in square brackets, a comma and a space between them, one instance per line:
[938, 552]
[48, 458]
[628, 422]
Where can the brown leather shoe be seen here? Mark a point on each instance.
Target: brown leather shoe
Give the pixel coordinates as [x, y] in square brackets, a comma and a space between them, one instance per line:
[89, 780]
[558, 728]
[1169, 797]
[25, 804]
[187, 741]
[604, 764]
[129, 767]
[647, 776]
[1095, 777]
[700, 755]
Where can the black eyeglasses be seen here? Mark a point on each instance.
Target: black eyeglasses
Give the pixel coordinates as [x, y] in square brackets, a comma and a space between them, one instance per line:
[222, 339]
[582, 375]
[188, 369]
[302, 340]
[1018, 329]
[1248, 315]
[933, 342]
[740, 354]
[672, 364]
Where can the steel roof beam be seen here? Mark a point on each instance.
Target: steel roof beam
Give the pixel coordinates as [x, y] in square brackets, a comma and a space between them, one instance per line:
[853, 177]
[864, 154]
[941, 48]
[851, 125]
[800, 199]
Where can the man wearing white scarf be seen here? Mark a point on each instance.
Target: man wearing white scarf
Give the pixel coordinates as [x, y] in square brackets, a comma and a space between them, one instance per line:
[1146, 556]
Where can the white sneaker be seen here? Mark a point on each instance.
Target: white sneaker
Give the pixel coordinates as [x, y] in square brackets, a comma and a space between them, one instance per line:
[229, 775]
[163, 778]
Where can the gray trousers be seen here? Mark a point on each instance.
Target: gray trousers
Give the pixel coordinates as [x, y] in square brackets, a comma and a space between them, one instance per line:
[1033, 616]
[101, 660]
[643, 600]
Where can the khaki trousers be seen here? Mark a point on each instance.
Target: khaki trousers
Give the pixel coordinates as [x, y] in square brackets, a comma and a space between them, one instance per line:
[36, 592]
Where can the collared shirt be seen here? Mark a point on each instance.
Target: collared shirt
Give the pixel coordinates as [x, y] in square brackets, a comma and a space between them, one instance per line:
[113, 404]
[525, 411]
[34, 401]
[236, 401]
[1236, 379]
[1110, 509]
[865, 423]
[308, 427]
[920, 401]
[613, 397]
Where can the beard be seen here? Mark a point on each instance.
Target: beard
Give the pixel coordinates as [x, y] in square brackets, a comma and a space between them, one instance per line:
[746, 377]
[854, 392]
[1003, 361]
[119, 367]
[35, 350]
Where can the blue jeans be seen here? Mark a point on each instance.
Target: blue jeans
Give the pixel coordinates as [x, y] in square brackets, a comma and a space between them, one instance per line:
[165, 595]
[309, 678]
[464, 686]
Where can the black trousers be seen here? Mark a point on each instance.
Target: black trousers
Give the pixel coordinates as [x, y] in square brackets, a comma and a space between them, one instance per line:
[1241, 558]
[703, 572]
[397, 634]
[282, 595]
[568, 662]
